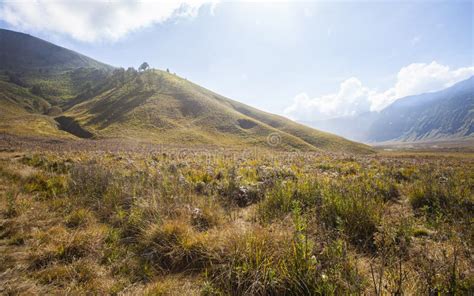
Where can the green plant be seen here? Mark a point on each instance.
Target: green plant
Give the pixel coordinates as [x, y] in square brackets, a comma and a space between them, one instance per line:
[353, 208]
[12, 206]
[79, 217]
[46, 185]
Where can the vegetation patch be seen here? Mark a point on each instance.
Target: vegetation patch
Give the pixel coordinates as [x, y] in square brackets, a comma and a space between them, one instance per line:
[162, 222]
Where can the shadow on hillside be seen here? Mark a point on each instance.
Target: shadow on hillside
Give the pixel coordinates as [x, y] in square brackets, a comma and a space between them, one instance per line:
[69, 125]
[112, 108]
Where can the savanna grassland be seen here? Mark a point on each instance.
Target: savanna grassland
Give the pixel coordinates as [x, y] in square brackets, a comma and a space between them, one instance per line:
[114, 217]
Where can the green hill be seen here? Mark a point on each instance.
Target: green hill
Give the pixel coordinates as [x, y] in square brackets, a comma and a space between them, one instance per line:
[90, 99]
[23, 113]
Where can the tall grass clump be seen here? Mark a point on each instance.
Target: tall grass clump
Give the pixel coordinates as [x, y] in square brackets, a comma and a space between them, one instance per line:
[89, 182]
[279, 201]
[353, 207]
[175, 247]
[265, 262]
[448, 195]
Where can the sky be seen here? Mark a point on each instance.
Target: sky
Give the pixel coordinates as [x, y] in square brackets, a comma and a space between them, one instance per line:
[306, 60]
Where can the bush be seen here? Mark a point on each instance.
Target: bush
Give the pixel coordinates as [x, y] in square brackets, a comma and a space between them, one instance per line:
[279, 201]
[261, 262]
[206, 217]
[238, 193]
[353, 208]
[12, 205]
[438, 196]
[46, 185]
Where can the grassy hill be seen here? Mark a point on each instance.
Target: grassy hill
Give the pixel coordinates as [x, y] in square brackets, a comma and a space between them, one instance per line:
[162, 107]
[22, 52]
[56, 88]
[23, 113]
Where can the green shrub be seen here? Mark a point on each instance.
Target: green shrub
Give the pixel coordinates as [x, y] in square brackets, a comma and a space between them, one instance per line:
[49, 165]
[354, 209]
[449, 197]
[280, 199]
[46, 185]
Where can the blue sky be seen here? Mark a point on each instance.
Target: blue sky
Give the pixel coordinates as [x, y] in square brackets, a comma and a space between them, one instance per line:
[300, 59]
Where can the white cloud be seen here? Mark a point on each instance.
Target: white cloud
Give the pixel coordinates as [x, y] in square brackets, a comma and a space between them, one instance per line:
[353, 98]
[349, 100]
[419, 78]
[96, 20]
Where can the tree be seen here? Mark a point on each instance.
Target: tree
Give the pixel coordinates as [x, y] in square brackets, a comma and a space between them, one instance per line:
[144, 67]
[167, 70]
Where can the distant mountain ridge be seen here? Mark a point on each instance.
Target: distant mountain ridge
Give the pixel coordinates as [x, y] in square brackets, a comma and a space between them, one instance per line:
[443, 115]
[59, 93]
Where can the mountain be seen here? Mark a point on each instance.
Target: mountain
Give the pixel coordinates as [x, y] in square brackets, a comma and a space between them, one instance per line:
[22, 52]
[52, 91]
[158, 105]
[351, 127]
[442, 115]
[446, 115]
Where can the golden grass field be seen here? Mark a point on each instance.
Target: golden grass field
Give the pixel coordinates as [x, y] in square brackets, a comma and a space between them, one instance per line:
[116, 217]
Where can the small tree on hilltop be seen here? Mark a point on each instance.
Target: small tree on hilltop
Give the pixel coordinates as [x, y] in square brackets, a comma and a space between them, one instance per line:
[144, 67]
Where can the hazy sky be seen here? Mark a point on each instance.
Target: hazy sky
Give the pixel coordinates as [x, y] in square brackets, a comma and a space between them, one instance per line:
[303, 59]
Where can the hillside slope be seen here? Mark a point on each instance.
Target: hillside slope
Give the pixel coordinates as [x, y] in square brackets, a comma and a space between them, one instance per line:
[159, 106]
[23, 113]
[22, 52]
[446, 115]
[89, 99]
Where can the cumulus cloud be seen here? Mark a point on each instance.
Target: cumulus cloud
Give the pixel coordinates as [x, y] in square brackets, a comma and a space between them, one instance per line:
[96, 20]
[351, 99]
[354, 98]
[419, 78]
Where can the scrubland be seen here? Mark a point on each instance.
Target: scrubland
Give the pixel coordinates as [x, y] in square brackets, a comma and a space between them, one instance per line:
[103, 217]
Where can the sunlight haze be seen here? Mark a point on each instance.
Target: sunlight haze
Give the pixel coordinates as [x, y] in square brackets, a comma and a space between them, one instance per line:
[286, 57]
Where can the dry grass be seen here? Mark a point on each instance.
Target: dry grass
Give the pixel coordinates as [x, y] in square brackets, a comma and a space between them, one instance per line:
[137, 220]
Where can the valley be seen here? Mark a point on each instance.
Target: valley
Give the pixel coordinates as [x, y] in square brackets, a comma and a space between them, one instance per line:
[119, 181]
